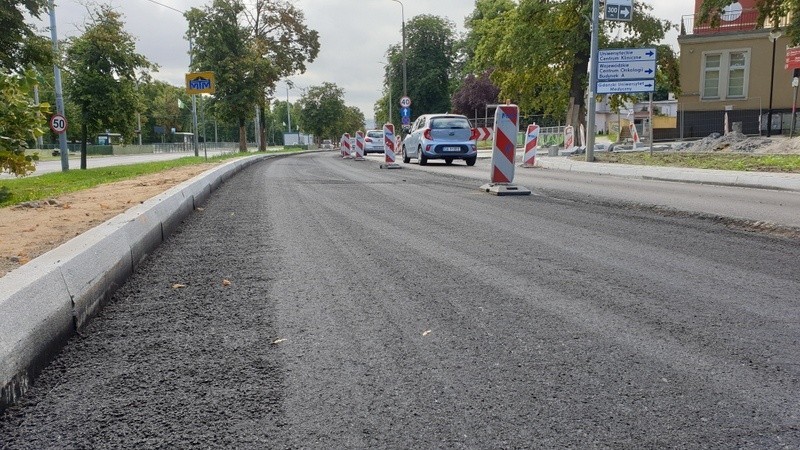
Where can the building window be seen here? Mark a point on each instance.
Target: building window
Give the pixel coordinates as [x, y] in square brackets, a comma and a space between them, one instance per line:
[725, 74]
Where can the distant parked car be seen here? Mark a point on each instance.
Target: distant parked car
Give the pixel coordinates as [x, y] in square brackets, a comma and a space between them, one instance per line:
[373, 142]
[441, 136]
[327, 144]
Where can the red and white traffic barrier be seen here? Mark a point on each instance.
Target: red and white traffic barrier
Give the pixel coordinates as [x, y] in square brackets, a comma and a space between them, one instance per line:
[531, 142]
[634, 135]
[504, 146]
[346, 150]
[389, 147]
[359, 146]
[569, 138]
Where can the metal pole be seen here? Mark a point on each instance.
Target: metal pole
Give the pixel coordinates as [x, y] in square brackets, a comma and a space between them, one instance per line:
[592, 107]
[389, 103]
[62, 137]
[288, 116]
[795, 82]
[194, 103]
[651, 124]
[39, 140]
[774, 40]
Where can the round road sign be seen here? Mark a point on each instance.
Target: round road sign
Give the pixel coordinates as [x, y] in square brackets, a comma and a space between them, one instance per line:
[58, 123]
[405, 101]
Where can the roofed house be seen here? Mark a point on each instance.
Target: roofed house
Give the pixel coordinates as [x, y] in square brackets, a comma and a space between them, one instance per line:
[734, 68]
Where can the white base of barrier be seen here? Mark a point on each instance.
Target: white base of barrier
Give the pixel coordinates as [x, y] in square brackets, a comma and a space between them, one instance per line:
[505, 189]
[359, 158]
[390, 166]
[528, 166]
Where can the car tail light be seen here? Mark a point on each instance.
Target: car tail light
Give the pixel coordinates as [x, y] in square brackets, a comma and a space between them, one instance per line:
[474, 134]
[427, 134]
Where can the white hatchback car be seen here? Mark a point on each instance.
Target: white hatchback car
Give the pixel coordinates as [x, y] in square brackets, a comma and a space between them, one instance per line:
[373, 142]
[441, 136]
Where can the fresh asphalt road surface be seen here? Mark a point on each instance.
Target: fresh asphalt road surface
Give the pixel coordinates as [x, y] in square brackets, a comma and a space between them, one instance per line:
[374, 308]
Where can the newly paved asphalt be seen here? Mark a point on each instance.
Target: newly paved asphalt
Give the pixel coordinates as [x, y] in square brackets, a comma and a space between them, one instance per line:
[316, 302]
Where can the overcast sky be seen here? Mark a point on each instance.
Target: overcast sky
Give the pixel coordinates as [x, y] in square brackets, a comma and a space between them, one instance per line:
[354, 36]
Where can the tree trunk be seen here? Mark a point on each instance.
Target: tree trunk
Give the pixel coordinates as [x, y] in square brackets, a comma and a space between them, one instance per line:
[576, 114]
[262, 146]
[242, 136]
[84, 140]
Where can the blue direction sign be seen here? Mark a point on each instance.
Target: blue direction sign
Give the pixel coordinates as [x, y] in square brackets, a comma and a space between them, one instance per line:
[634, 70]
[626, 70]
[405, 112]
[625, 86]
[626, 54]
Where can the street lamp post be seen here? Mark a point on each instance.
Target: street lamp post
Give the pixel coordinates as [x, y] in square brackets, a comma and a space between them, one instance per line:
[773, 37]
[403, 21]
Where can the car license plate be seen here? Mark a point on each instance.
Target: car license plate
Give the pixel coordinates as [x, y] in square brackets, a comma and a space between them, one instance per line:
[451, 149]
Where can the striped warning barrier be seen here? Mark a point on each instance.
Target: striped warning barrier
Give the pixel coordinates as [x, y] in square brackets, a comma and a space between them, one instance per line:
[389, 147]
[359, 156]
[346, 150]
[504, 146]
[531, 142]
[634, 136]
[569, 138]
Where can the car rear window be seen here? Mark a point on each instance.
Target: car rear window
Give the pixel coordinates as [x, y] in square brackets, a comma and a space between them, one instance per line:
[449, 123]
[375, 134]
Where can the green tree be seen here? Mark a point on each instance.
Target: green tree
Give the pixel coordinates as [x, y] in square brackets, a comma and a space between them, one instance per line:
[224, 46]
[550, 74]
[20, 46]
[104, 68]
[321, 110]
[430, 57]
[351, 121]
[770, 13]
[20, 121]
[281, 38]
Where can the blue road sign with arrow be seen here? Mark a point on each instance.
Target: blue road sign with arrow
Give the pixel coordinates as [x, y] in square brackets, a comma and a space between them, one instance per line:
[626, 70]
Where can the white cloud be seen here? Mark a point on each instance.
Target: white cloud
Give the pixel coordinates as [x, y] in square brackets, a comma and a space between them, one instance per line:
[354, 36]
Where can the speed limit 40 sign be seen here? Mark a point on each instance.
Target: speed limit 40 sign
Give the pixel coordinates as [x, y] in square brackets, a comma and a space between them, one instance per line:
[58, 123]
[405, 101]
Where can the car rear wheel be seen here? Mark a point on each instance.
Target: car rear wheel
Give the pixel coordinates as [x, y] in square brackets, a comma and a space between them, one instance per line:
[422, 159]
[406, 159]
[471, 161]
[448, 161]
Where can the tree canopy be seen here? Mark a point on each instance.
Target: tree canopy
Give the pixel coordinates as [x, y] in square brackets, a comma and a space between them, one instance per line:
[20, 121]
[550, 75]
[104, 70]
[771, 14]
[20, 46]
[249, 50]
[430, 57]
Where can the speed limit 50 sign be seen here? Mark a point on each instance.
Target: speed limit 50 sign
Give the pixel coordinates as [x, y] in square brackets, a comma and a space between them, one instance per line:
[58, 123]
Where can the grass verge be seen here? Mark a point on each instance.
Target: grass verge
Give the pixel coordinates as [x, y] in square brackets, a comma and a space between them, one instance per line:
[18, 190]
[721, 161]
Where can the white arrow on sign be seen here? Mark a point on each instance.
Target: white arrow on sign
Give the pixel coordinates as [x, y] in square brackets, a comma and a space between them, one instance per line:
[626, 70]
[624, 12]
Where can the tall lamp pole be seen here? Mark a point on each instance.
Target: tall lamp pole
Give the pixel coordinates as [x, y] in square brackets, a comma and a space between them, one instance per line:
[403, 21]
[773, 37]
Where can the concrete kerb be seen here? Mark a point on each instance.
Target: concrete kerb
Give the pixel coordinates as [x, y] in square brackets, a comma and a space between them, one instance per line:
[43, 303]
